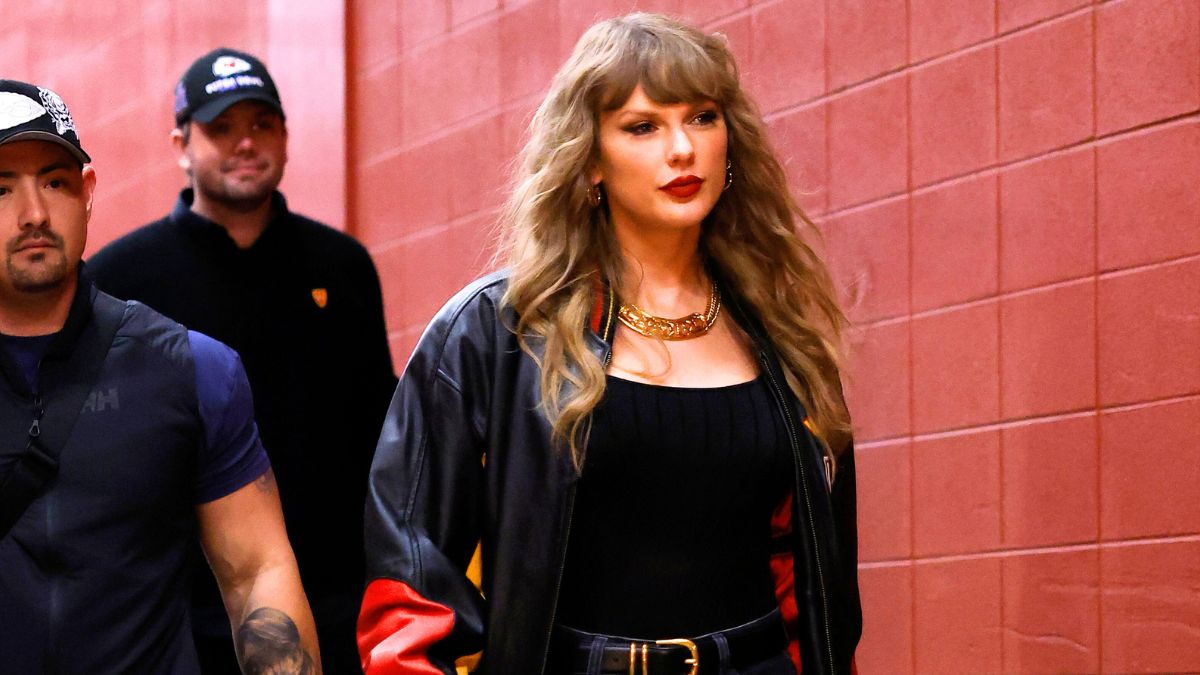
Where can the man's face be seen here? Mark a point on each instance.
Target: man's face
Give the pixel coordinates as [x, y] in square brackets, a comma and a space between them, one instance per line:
[237, 159]
[45, 204]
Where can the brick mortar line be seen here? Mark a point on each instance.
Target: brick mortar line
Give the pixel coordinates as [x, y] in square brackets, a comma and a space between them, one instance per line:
[916, 561]
[713, 24]
[994, 40]
[1098, 437]
[1031, 420]
[1096, 141]
[135, 179]
[454, 127]
[893, 319]
[1149, 403]
[912, 386]
[1000, 379]
[1175, 261]
[430, 231]
[406, 330]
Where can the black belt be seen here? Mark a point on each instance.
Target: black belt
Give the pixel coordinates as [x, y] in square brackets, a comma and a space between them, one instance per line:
[749, 643]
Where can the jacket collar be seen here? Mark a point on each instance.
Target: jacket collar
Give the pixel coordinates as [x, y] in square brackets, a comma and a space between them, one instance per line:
[78, 317]
[604, 312]
[63, 342]
[183, 215]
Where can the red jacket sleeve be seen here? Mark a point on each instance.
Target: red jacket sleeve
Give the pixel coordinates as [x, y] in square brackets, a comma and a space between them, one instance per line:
[397, 627]
[422, 521]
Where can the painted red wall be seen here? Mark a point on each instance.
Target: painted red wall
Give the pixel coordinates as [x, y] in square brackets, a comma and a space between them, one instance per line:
[1009, 194]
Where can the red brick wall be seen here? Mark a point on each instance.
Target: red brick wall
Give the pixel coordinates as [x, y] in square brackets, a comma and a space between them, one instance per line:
[1009, 191]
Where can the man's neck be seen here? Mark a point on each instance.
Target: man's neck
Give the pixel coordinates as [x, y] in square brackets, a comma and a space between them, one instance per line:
[243, 226]
[27, 314]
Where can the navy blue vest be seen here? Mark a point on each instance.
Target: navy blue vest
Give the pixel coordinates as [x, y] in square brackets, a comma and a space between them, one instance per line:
[94, 576]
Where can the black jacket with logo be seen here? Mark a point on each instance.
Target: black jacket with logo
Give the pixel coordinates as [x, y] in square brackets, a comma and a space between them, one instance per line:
[469, 390]
[302, 307]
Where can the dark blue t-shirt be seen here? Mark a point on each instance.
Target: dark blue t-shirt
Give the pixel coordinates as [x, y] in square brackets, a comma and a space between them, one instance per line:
[233, 455]
[27, 352]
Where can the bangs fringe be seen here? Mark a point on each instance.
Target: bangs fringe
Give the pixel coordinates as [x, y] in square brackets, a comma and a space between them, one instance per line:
[672, 66]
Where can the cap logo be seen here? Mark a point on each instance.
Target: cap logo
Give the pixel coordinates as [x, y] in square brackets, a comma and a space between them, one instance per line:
[58, 111]
[231, 83]
[229, 65]
[16, 109]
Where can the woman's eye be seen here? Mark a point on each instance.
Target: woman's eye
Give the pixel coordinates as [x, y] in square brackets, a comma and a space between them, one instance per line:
[706, 117]
[640, 128]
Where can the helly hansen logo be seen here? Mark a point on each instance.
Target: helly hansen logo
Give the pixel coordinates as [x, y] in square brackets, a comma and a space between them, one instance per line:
[101, 400]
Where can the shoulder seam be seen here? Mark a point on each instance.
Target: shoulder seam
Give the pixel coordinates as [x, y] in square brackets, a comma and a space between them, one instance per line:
[462, 306]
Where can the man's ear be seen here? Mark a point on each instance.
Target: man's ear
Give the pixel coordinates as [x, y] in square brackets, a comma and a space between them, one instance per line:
[89, 189]
[180, 144]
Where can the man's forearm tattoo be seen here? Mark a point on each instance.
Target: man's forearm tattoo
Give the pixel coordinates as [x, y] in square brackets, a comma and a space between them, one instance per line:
[268, 643]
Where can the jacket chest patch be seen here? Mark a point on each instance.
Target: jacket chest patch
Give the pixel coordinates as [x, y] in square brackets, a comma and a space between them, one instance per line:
[320, 296]
[102, 399]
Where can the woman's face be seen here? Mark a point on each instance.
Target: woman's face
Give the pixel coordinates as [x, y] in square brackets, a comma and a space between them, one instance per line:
[662, 166]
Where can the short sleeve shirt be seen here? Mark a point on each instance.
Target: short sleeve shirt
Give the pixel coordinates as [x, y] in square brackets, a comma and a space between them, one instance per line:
[231, 455]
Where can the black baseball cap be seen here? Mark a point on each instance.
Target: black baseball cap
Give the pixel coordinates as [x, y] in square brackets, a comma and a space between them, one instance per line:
[32, 113]
[219, 79]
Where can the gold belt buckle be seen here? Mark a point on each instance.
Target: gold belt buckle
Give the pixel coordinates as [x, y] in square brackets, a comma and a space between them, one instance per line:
[694, 662]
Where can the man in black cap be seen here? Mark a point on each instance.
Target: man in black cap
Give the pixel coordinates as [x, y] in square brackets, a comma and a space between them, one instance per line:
[123, 435]
[301, 304]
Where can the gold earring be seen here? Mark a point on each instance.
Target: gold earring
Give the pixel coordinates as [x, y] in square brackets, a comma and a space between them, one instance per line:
[595, 196]
[728, 174]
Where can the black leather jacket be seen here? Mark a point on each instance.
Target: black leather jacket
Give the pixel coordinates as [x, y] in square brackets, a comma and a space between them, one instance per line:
[465, 457]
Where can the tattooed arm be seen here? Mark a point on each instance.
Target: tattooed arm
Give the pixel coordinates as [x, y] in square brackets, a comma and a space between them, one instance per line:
[247, 547]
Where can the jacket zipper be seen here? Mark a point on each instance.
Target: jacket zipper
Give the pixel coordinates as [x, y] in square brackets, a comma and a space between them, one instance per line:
[802, 488]
[562, 566]
[50, 661]
[562, 558]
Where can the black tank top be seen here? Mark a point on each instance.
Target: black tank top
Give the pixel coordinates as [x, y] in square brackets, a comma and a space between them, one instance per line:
[670, 534]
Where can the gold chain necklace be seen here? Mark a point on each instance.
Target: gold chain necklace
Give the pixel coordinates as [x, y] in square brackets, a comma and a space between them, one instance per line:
[684, 328]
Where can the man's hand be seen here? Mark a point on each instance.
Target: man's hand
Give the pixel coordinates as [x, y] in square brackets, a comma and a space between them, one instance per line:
[247, 547]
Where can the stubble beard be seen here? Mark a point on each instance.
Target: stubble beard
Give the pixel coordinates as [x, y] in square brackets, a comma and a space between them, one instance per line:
[37, 276]
[238, 195]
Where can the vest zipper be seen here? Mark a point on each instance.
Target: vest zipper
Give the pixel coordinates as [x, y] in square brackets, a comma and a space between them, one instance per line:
[50, 659]
[802, 488]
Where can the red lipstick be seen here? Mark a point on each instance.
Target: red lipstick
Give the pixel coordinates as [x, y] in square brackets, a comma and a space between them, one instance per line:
[683, 187]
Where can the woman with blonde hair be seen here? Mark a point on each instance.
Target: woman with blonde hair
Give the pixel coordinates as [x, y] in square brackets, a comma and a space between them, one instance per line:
[650, 494]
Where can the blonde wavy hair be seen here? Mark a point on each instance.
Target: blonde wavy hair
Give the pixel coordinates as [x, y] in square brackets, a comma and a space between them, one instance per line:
[558, 245]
